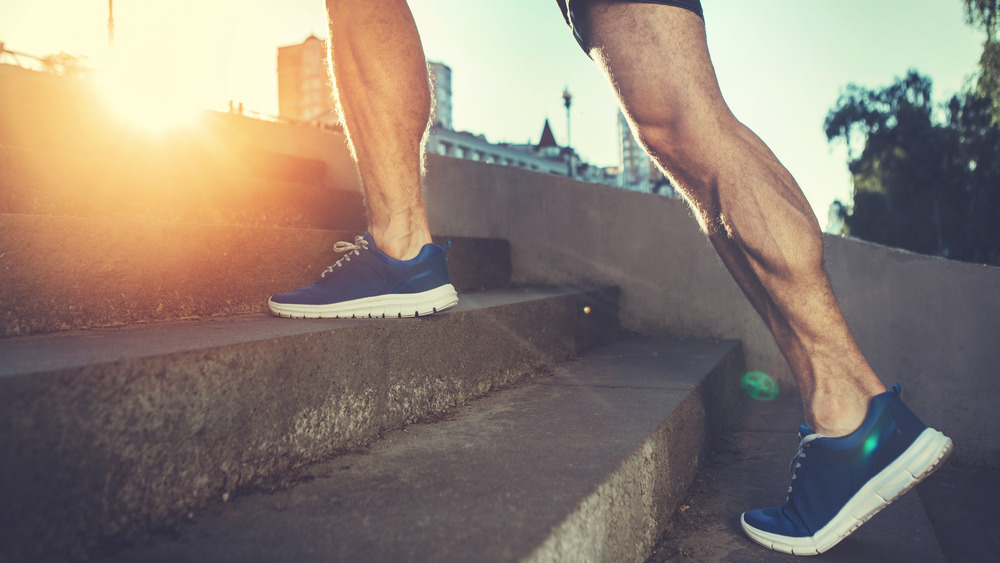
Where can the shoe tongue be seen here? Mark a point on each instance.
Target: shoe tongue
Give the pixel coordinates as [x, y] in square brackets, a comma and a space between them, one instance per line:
[805, 431]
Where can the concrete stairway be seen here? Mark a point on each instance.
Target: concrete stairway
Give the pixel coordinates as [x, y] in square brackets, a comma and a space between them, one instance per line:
[585, 463]
[105, 225]
[109, 433]
[102, 224]
[151, 410]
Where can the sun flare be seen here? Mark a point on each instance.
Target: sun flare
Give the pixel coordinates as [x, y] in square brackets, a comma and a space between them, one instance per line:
[167, 62]
[140, 97]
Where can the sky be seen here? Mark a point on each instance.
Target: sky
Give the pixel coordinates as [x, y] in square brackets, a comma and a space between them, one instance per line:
[782, 64]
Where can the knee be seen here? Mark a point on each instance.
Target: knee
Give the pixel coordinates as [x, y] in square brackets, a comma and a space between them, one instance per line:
[687, 147]
[680, 137]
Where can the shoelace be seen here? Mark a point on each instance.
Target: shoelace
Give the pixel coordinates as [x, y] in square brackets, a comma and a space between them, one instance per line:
[351, 249]
[795, 464]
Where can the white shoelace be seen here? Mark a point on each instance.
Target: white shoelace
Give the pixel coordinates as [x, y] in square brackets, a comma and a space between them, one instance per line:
[794, 464]
[351, 249]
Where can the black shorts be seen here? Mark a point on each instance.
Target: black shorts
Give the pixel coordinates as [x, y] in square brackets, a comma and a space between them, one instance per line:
[575, 13]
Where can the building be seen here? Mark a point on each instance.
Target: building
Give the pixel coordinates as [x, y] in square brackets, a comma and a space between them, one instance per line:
[545, 156]
[461, 144]
[305, 93]
[441, 87]
[442, 139]
[638, 173]
[635, 163]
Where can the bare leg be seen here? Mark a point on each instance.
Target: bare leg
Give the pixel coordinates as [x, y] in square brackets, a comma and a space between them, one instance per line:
[656, 58]
[380, 78]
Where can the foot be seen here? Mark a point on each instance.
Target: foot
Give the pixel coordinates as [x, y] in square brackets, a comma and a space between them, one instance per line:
[366, 283]
[839, 483]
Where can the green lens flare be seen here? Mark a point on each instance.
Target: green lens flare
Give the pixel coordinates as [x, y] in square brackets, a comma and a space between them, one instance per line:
[870, 444]
[759, 386]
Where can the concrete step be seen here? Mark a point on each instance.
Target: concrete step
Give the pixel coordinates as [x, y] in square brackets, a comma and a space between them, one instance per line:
[63, 273]
[749, 469]
[586, 464]
[112, 433]
[252, 188]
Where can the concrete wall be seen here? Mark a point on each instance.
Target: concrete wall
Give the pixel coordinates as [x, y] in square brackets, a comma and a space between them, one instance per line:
[933, 325]
[59, 116]
[302, 141]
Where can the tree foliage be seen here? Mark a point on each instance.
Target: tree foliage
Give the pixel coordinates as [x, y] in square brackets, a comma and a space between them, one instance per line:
[921, 183]
[985, 14]
[64, 64]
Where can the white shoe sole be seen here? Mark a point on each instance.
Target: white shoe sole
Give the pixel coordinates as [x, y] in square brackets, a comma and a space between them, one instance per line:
[922, 458]
[395, 305]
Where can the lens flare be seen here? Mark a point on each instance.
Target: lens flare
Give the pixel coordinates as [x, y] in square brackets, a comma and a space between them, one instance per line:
[870, 444]
[759, 386]
[144, 103]
[586, 309]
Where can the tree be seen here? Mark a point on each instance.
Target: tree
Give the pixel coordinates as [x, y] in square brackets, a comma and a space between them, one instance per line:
[64, 64]
[919, 183]
[984, 14]
[979, 189]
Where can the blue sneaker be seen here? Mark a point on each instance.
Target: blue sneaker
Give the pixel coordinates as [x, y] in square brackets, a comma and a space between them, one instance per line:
[839, 483]
[366, 283]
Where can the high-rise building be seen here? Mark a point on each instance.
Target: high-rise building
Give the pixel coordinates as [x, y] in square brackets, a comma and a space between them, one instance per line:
[638, 173]
[305, 95]
[304, 90]
[634, 161]
[441, 86]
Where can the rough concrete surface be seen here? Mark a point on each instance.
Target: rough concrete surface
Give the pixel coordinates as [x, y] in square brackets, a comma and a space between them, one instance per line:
[961, 503]
[749, 469]
[581, 465]
[112, 432]
[61, 273]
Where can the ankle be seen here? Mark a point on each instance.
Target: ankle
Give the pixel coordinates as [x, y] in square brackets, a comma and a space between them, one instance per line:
[401, 245]
[837, 415]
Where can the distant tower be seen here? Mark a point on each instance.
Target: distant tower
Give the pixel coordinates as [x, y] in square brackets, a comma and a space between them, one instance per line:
[567, 100]
[111, 23]
[441, 86]
[304, 91]
[547, 145]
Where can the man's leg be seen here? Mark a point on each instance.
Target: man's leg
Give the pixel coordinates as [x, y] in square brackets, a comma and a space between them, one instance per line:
[380, 77]
[754, 213]
[864, 447]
